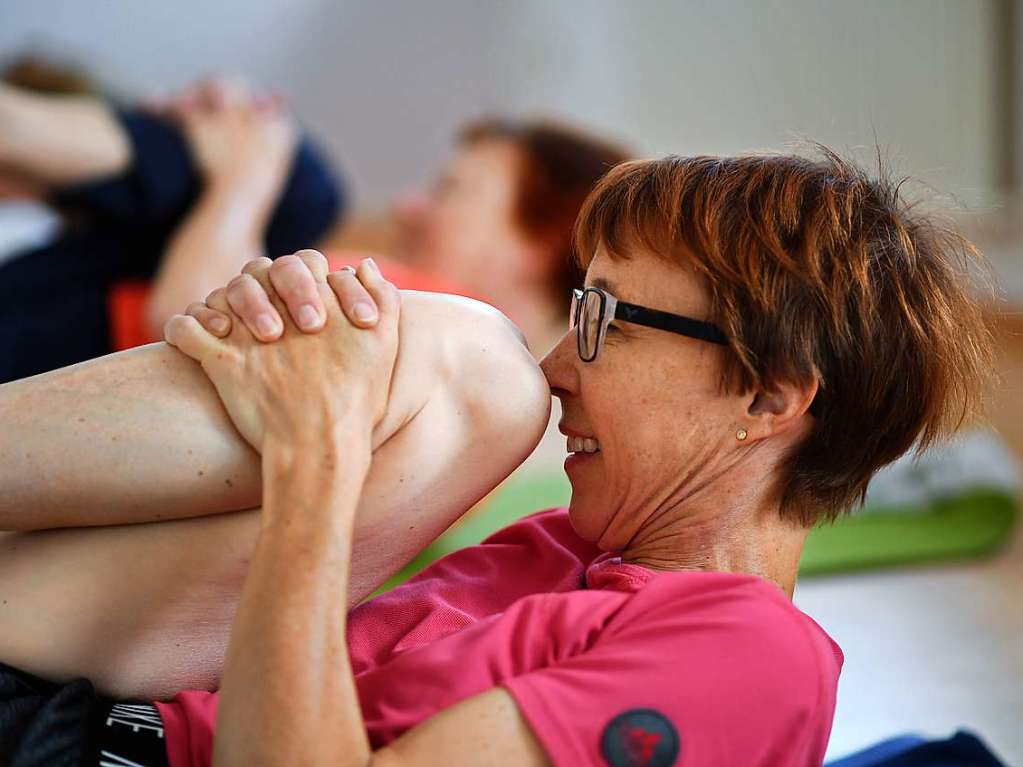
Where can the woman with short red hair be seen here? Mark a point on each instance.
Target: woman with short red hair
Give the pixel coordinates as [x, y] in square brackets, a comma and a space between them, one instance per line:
[497, 223]
[755, 338]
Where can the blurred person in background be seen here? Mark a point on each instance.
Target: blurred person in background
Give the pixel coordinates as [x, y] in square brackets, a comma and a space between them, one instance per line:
[496, 225]
[124, 213]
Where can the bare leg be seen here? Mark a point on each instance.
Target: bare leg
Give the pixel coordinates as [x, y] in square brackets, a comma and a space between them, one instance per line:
[145, 609]
[141, 436]
[132, 437]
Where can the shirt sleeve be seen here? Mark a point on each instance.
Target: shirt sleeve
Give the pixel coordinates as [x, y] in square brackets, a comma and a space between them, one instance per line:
[699, 687]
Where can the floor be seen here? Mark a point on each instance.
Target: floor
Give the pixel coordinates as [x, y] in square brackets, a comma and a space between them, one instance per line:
[932, 650]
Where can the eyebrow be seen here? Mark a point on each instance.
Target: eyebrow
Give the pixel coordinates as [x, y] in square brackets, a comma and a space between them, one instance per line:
[600, 282]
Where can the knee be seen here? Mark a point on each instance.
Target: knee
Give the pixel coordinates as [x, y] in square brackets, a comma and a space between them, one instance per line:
[482, 364]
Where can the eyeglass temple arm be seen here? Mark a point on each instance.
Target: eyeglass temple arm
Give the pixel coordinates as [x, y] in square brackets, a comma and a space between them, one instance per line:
[674, 323]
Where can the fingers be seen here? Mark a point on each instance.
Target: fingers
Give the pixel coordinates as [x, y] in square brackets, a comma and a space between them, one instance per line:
[254, 295]
[263, 291]
[385, 295]
[317, 263]
[295, 280]
[217, 300]
[217, 323]
[188, 335]
[249, 300]
[224, 92]
[258, 267]
[356, 302]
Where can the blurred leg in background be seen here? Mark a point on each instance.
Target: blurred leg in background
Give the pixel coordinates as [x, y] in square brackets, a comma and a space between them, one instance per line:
[158, 209]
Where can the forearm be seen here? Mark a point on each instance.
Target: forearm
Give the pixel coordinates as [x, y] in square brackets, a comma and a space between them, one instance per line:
[221, 233]
[60, 140]
[287, 678]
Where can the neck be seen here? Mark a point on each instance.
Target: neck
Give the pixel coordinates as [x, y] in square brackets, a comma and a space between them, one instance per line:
[749, 538]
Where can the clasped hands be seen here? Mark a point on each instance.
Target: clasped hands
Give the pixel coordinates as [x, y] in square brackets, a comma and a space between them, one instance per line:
[296, 353]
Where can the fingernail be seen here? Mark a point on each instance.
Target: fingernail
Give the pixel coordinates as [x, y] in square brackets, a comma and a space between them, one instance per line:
[308, 317]
[364, 312]
[220, 325]
[265, 325]
[373, 264]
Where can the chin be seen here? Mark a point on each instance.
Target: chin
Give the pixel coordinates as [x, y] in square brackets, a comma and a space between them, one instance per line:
[586, 525]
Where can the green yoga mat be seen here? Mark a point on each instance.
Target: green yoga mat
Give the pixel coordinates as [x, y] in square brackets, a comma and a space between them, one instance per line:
[967, 525]
[970, 524]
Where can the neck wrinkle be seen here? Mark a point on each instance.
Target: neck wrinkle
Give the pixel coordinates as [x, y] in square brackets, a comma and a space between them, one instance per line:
[749, 537]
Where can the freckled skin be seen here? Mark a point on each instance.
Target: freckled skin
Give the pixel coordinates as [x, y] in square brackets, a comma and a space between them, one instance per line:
[672, 487]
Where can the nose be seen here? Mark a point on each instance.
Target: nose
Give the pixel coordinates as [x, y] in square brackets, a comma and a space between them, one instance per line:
[560, 366]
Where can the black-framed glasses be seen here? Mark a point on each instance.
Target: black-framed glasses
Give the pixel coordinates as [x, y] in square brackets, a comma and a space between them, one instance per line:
[593, 309]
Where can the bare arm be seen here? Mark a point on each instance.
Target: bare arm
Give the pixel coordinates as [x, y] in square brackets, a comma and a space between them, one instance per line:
[60, 140]
[243, 145]
[222, 231]
[288, 694]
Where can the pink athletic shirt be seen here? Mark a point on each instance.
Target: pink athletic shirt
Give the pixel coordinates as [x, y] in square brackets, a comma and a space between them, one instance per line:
[610, 663]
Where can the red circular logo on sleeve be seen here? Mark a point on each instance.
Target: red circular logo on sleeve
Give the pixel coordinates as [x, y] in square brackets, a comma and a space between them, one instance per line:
[640, 737]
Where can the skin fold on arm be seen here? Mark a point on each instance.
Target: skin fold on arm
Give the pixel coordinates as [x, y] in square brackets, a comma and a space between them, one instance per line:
[134, 451]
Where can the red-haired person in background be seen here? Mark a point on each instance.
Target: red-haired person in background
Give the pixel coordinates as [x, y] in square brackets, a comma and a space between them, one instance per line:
[497, 223]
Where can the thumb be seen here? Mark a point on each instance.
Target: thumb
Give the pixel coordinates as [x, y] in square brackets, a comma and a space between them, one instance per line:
[186, 334]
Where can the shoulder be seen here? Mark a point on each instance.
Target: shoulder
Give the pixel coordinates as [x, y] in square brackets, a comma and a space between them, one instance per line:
[555, 520]
[724, 661]
[538, 554]
[546, 530]
[743, 627]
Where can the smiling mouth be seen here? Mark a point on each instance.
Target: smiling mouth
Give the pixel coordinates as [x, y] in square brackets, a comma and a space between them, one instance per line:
[583, 445]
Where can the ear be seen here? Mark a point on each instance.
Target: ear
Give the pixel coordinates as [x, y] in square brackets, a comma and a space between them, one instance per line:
[779, 408]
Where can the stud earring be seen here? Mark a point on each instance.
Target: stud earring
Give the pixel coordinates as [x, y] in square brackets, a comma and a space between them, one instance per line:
[741, 435]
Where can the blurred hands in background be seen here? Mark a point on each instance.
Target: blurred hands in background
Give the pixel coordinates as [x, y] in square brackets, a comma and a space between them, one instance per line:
[239, 136]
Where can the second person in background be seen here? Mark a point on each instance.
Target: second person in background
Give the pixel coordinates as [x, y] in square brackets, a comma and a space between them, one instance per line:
[497, 222]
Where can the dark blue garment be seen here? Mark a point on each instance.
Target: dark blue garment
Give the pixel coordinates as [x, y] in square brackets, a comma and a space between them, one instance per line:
[961, 750]
[53, 301]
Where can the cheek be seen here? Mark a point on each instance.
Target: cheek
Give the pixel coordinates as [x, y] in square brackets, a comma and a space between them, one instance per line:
[658, 429]
[656, 435]
[459, 231]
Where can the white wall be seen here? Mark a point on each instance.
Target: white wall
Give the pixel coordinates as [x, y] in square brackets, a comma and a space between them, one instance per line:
[386, 82]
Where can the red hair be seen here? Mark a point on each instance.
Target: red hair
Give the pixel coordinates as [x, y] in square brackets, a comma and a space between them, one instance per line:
[815, 270]
[560, 167]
